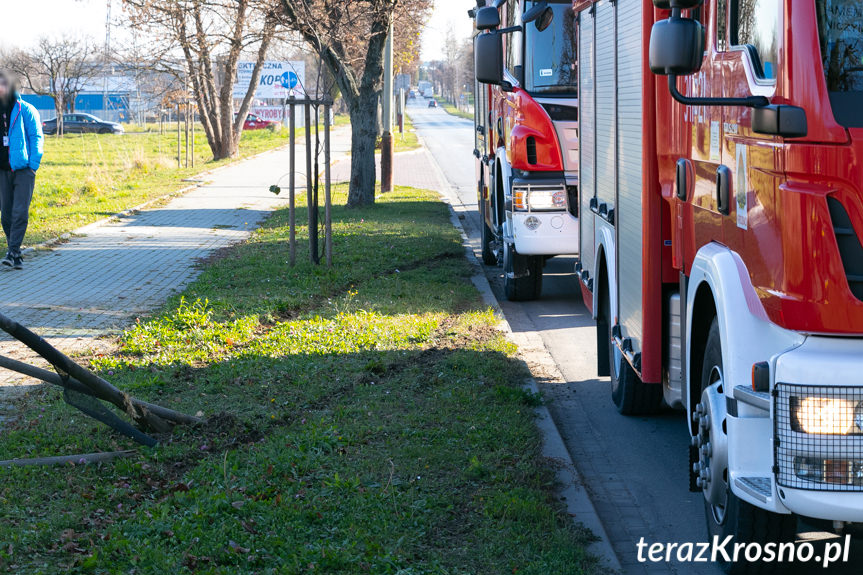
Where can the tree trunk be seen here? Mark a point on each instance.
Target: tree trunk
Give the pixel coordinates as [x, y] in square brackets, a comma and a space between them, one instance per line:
[58, 109]
[225, 148]
[364, 136]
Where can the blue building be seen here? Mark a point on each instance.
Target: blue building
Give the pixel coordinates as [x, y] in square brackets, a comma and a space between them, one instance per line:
[115, 108]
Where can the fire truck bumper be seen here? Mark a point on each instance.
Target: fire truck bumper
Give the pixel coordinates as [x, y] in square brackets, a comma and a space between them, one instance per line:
[817, 409]
[545, 233]
[847, 507]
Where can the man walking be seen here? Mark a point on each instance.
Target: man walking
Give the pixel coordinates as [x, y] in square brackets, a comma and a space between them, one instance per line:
[20, 156]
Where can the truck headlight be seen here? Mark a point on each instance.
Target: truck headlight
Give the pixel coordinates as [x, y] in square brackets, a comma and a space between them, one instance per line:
[539, 198]
[547, 200]
[826, 416]
[835, 471]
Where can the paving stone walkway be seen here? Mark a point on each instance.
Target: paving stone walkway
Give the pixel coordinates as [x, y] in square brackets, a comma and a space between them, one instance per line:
[113, 271]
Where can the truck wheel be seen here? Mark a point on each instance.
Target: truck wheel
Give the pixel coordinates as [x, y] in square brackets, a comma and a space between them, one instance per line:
[529, 285]
[629, 393]
[489, 257]
[746, 523]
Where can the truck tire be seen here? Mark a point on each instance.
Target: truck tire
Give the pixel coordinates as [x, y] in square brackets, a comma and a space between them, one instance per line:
[489, 257]
[630, 395]
[743, 521]
[528, 286]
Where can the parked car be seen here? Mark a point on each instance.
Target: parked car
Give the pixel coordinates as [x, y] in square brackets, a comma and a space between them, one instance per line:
[254, 122]
[412, 95]
[82, 124]
[432, 103]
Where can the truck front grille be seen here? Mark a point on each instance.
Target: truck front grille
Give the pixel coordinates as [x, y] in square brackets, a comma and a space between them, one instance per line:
[818, 437]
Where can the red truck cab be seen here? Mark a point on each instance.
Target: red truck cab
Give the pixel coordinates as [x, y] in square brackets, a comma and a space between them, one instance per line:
[526, 137]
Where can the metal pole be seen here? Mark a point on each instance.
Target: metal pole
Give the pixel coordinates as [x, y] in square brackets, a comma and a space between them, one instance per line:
[192, 130]
[186, 118]
[179, 144]
[317, 171]
[387, 136]
[310, 200]
[402, 112]
[328, 201]
[293, 183]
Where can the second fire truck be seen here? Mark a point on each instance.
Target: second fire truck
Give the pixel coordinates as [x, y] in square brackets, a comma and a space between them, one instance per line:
[526, 138]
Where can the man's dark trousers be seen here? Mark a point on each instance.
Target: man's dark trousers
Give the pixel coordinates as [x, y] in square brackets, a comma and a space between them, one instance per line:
[16, 192]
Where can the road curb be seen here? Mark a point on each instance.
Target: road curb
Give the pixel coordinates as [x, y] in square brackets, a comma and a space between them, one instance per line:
[577, 500]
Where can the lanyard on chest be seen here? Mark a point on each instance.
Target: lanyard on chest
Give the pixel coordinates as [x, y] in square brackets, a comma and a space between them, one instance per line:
[7, 127]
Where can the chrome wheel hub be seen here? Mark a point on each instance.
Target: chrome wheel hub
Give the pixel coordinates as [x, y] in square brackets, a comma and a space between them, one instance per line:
[712, 444]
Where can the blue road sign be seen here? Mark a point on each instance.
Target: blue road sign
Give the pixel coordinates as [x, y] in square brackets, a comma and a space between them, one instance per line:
[290, 80]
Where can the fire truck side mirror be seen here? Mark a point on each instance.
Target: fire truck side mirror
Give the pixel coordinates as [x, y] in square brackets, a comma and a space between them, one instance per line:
[488, 59]
[487, 18]
[676, 47]
[541, 15]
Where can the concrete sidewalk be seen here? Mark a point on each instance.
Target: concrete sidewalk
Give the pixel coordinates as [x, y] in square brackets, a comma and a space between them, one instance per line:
[113, 271]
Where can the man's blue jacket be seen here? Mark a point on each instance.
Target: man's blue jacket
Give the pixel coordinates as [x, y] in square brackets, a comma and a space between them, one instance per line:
[25, 137]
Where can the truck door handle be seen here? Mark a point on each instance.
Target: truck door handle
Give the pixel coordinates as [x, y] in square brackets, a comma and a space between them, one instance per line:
[723, 190]
[682, 182]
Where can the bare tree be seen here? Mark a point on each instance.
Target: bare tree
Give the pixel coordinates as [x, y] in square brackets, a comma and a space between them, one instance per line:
[208, 38]
[58, 67]
[349, 38]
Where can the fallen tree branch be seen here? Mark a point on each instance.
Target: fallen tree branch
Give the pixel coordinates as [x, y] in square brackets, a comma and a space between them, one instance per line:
[75, 385]
[146, 416]
[64, 459]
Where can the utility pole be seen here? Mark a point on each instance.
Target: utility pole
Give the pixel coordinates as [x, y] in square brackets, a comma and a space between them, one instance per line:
[387, 136]
[107, 56]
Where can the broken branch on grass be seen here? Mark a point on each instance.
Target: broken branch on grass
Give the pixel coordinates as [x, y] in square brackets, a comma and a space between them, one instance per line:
[75, 385]
[76, 378]
[65, 459]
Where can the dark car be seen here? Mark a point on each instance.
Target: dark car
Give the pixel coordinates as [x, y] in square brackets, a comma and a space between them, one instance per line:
[82, 124]
[432, 103]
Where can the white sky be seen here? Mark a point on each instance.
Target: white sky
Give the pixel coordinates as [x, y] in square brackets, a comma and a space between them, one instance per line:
[447, 14]
[22, 22]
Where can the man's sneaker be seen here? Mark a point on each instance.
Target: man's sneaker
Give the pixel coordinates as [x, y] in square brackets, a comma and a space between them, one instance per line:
[8, 261]
[18, 263]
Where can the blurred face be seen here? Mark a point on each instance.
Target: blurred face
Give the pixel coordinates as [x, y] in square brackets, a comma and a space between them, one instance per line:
[4, 88]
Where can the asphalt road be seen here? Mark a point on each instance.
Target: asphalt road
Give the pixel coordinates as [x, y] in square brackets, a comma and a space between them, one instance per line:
[635, 469]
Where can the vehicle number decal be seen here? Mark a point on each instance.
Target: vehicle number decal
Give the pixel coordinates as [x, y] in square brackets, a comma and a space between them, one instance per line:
[715, 154]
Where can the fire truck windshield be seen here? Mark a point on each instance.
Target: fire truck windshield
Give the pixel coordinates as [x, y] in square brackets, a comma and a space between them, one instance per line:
[840, 25]
[551, 64]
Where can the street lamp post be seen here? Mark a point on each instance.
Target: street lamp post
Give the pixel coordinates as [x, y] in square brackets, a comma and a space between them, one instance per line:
[387, 136]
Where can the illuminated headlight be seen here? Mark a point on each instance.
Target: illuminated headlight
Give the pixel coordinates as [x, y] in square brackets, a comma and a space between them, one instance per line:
[539, 199]
[833, 471]
[826, 416]
[547, 200]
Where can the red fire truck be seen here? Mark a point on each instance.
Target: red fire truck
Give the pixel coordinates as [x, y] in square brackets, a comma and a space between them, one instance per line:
[721, 194]
[527, 139]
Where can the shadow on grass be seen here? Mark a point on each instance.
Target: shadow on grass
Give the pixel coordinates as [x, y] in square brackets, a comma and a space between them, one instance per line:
[425, 460]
